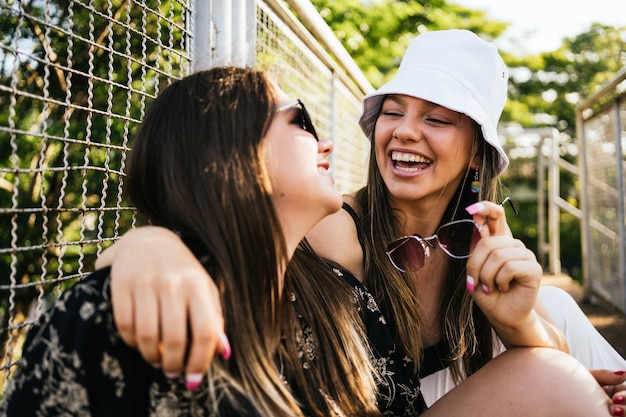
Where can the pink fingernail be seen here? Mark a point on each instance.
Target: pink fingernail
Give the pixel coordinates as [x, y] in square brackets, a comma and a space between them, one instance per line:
[156, 365]
[485, 289]
[475, 208]
[171, 375]
[470, 283]
[226, 346]
[619, 372]
[193, 381]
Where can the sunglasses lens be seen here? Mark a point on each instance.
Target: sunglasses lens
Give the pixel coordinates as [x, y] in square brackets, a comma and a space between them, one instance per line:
[458, 239]
[307, 123]
[407, 254]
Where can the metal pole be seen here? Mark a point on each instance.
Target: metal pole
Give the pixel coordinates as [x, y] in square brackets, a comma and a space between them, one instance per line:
[553, 209]
[621, 203]
[243, 32]
[223, 22]
[202, 35]
[585, 238]
[541, 206]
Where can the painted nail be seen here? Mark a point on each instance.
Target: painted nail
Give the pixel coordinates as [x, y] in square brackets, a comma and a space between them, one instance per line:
[226, 346]
[619, 399]
[475, 208]
[193, 381]
[470, 283]
[485, 289]
[156, 365]
[619, 372]
[618, 411]
[171, 375]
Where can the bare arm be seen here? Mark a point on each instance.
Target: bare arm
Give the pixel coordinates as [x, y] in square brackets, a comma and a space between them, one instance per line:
[159, 289]
[551, 326]
[335, 238]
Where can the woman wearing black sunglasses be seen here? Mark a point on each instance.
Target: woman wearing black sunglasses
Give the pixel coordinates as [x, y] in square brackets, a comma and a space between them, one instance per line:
[434, 167]
[229, 163]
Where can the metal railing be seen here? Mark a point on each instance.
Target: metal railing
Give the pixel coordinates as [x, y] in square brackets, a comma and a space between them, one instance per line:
[601, 130]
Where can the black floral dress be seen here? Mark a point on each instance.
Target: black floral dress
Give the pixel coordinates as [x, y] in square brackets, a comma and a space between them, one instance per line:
[398, 385]
[75, 364]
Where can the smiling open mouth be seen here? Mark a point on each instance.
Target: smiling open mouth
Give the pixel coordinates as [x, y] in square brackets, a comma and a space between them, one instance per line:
[409, 162]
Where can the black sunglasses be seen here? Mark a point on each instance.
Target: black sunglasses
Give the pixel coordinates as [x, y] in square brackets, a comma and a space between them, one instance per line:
[457, 239]
[307, 124]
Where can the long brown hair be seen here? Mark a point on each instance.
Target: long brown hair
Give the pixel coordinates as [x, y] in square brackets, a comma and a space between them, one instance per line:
[196, 168]
[467, 332]
[340, 360]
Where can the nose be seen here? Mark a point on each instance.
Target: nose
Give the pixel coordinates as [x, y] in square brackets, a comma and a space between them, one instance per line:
[325, 146]
[408, 129]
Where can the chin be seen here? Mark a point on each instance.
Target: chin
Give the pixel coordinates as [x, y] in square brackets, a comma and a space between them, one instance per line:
[331, 200]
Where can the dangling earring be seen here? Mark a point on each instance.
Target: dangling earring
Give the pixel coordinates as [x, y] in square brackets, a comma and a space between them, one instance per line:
[475, 186]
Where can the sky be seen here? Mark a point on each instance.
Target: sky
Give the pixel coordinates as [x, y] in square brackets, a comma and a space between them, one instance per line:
[539, 25]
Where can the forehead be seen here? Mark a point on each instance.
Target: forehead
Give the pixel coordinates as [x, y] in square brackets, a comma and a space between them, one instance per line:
[279, 95]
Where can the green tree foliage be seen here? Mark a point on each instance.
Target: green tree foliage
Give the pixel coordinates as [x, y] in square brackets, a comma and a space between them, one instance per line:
[547, 87]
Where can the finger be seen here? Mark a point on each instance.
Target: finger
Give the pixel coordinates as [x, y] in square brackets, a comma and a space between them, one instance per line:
[123, 312]
[146, 315]
[498, 260]
[491, 215]
[519, 269]
[619, 396]
[173, 328]
[487, 259]
[208, 337]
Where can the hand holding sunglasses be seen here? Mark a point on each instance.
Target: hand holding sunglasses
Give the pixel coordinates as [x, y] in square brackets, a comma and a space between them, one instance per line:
[457, 239]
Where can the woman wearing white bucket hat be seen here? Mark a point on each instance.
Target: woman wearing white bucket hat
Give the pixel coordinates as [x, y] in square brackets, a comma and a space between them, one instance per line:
[457, 71]
[435, 152]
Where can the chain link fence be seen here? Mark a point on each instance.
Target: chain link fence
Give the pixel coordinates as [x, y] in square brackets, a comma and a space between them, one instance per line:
[601, 128]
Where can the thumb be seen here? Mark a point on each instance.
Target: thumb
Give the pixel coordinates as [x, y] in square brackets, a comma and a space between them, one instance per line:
[486, 213]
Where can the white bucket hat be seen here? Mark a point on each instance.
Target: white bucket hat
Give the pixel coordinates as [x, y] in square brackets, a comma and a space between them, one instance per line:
[454, 69]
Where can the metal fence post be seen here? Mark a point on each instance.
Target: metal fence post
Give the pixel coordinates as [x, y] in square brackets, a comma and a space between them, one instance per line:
[619, 152]
[553, 208]
[203, 35]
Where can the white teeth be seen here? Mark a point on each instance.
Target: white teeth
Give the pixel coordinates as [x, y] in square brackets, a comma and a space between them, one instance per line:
[409, 157]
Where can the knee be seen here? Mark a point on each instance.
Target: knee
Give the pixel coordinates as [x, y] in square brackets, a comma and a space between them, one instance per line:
[547, 367]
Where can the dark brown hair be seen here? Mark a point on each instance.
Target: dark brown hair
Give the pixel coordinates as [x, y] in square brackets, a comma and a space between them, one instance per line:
[196, 168]
[467, 332]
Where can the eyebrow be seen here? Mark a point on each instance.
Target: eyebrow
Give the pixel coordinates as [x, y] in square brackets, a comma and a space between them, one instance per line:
[288, 105]
[398, 98]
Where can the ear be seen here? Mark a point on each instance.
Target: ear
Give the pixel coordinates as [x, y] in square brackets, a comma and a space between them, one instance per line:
[475, 163]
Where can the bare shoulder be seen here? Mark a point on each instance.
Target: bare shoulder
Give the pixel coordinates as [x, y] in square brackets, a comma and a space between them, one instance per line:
[335, 238]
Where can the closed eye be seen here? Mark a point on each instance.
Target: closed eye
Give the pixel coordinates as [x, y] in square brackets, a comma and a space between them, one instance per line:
[392, 113]
[438, 121]
[295, 118]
